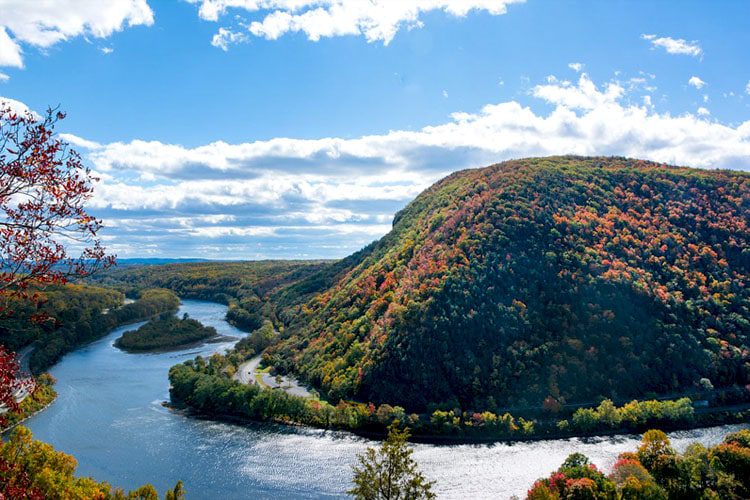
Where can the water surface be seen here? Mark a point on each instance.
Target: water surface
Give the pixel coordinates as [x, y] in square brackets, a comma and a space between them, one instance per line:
[109, 415]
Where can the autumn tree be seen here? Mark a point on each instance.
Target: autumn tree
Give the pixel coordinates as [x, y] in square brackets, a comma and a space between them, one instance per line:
[46, 234]
[31, 470]
[390, 473]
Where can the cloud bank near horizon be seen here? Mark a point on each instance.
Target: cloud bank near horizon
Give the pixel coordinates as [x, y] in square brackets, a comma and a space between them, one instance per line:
[326, 197]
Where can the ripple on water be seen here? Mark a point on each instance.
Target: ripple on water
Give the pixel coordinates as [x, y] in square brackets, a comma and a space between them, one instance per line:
[109, 415]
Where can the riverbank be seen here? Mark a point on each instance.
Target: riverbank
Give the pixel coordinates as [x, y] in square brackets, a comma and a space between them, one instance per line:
[210, 387]
[43, 396]
[108, 414]
[725, 419]
[165, 332]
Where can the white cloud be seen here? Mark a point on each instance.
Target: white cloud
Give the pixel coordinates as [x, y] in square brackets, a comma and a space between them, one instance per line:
[10, 52]
[3, 77]
[15, 106]
[586, 119]
[43, 24]
[445, 94]
[296, 196]
[583, 96]
[696, 82]
[376, 20]
[107, 50]
[703, 111]
[747, 88]
[318, 175]
[576, 66]
[225, 37]
[675, 46]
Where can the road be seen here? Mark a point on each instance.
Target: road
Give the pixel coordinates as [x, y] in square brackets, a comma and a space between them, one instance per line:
[248, 373]
[23, 357]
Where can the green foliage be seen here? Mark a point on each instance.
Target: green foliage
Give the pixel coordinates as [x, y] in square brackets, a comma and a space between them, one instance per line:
[390, 473]
[254, 291]
[205, 385]
[633, 415]
[257, 341]
[33, 469]
[72, 315]
[657, 472]
[44, 393]
[166, 331]
[565, 278]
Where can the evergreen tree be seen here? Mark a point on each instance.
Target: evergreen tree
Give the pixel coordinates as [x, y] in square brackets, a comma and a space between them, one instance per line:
[390, 473]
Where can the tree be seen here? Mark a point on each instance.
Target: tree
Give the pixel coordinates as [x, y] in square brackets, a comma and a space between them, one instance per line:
[43, 189]
[390, 473]
[177, 493]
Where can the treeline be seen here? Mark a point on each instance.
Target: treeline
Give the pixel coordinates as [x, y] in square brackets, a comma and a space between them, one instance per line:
[73, 315]
[254, 291]
[655, 471]
[31, 469]
[165, 331]
[206, 385]
[631, 416]
[96, 324]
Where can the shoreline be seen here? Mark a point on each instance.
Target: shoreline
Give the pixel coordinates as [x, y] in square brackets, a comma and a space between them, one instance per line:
[450, 440]
[6, 430]
[216, 339]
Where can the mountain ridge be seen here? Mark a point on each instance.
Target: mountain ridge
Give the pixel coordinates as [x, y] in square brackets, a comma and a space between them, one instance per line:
[550, 278]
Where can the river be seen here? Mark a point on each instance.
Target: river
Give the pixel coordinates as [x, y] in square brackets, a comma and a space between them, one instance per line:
[109, 416]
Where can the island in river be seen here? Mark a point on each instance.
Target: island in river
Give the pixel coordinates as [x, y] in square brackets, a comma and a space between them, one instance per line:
[166, 332]
[131, 436]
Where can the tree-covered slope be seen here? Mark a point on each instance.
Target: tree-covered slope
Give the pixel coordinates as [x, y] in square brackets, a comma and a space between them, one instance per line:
[253, 290]
[560, 278]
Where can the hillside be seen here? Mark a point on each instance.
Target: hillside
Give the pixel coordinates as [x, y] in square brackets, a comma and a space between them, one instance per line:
[563, 279]
[252, 290]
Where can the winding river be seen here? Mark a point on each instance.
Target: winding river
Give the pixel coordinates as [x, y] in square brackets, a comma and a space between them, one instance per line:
[109, 415]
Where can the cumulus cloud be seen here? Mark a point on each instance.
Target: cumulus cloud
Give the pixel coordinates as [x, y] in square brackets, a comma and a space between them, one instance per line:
[703, 111]
[696, 82]
[576, 66]
[15, 106]
[326, 197]
[10, 52]
[43, 24]
[376, 20]
[675, 45]
[225, 37]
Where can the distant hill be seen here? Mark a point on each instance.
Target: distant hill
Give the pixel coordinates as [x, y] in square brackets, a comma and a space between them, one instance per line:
[561, 278]
[251, 289]
[153, 261]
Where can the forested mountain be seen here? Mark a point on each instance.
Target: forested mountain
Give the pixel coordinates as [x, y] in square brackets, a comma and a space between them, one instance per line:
[561, 279]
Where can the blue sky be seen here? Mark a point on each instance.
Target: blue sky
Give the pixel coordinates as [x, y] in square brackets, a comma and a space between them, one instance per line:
[246, 129]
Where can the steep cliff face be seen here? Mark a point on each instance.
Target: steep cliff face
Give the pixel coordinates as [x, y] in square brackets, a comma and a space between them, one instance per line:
[562, 277]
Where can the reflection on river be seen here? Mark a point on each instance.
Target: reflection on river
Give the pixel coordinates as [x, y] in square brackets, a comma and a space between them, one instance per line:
[109, 415]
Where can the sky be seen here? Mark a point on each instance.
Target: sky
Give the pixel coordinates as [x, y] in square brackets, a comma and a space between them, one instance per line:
[255, 129]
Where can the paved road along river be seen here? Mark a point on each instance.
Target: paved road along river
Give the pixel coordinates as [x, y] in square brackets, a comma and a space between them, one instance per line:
[109, 415]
